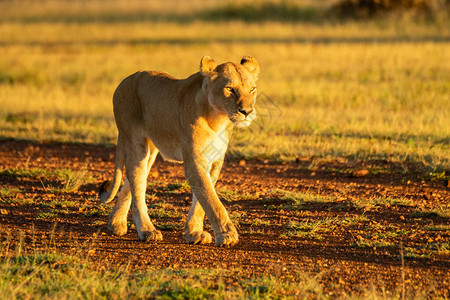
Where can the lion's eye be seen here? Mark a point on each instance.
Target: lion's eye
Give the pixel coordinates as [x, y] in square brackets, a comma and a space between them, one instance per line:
[229, 90]
[252, 90]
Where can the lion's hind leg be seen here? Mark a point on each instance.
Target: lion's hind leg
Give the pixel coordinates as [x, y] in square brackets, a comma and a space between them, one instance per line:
[193, 230]
[138, 162]
[117, 224]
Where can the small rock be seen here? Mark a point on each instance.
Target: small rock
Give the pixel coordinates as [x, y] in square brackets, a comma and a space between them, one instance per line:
[154, 174]
[360, 173]
[242, 162]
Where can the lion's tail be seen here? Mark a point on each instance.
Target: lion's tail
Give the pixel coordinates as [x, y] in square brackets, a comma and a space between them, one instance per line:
[109, 190]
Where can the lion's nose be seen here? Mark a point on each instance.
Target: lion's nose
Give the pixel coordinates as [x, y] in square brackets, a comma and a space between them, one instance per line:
[245, 112]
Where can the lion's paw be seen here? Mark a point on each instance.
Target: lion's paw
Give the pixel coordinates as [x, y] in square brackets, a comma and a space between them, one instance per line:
[154, 235]
[227, 239]
[198, 237]
[118, 228]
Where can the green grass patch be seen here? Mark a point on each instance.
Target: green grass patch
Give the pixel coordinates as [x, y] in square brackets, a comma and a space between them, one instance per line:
[439, 247]
[233, 195]
[304, 201]
[352, 220]
[58, 204]
[412, 253]
[30, 173]
[239, 217]
[59, 276]
[47, 215]
[9, 193]
[99, 211]
[58, 181]
[11, 196]
[171, 226]
[294, 200]
[438, 228]
[163, 210]
[312, 229]
[363, 243]
[177, 187]
[442, 211]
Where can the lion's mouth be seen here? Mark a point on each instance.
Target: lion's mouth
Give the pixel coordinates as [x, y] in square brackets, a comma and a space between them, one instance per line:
[242, 124]
[239, 120]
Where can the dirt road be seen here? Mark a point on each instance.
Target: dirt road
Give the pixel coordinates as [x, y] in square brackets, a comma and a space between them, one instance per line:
[349, 231]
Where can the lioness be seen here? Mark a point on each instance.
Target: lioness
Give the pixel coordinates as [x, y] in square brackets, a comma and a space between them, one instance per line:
[181, 119]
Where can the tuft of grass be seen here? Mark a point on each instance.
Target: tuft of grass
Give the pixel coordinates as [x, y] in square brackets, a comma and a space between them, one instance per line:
[309, 229]
[442, 211]
[237, 217]
[58, 204]
[412, 253]
[439, 248]
[438, 228]
[259, 222]
[177, 187]
[8, 193]
[171, 226]
[99, 211]
[353, 220]
[163, 210]
[295, 200]
[363, 243]
[31, 173]
[303, 201]
[47, 215]
[233, 195]
[71, 180]
[58, 181]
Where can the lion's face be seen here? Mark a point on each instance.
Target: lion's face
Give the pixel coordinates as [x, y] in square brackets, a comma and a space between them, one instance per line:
[231, 88]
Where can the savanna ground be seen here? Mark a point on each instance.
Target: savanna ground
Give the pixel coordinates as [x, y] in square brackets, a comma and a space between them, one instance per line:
[339, 189]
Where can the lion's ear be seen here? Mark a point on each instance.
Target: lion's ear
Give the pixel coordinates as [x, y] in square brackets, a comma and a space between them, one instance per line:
[251, 64]
[207, 66]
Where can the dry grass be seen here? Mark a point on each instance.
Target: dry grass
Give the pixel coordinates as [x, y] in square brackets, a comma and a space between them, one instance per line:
[353, 89]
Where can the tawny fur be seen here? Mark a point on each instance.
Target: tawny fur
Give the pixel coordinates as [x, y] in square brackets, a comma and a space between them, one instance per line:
[189, 121]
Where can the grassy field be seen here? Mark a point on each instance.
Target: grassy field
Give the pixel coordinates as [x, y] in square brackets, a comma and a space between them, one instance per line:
[374, 89]
[330, 90]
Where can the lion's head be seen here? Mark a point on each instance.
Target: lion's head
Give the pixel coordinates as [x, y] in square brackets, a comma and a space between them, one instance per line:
[231, 88]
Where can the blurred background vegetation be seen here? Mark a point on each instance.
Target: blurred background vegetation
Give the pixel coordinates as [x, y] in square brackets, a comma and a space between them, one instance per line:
[345, 80]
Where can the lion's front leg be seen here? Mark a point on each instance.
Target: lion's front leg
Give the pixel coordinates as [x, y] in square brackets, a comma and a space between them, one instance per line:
[203, 189]
[193, 230]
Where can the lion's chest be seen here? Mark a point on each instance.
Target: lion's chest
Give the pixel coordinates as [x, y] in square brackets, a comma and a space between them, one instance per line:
[215, 147]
